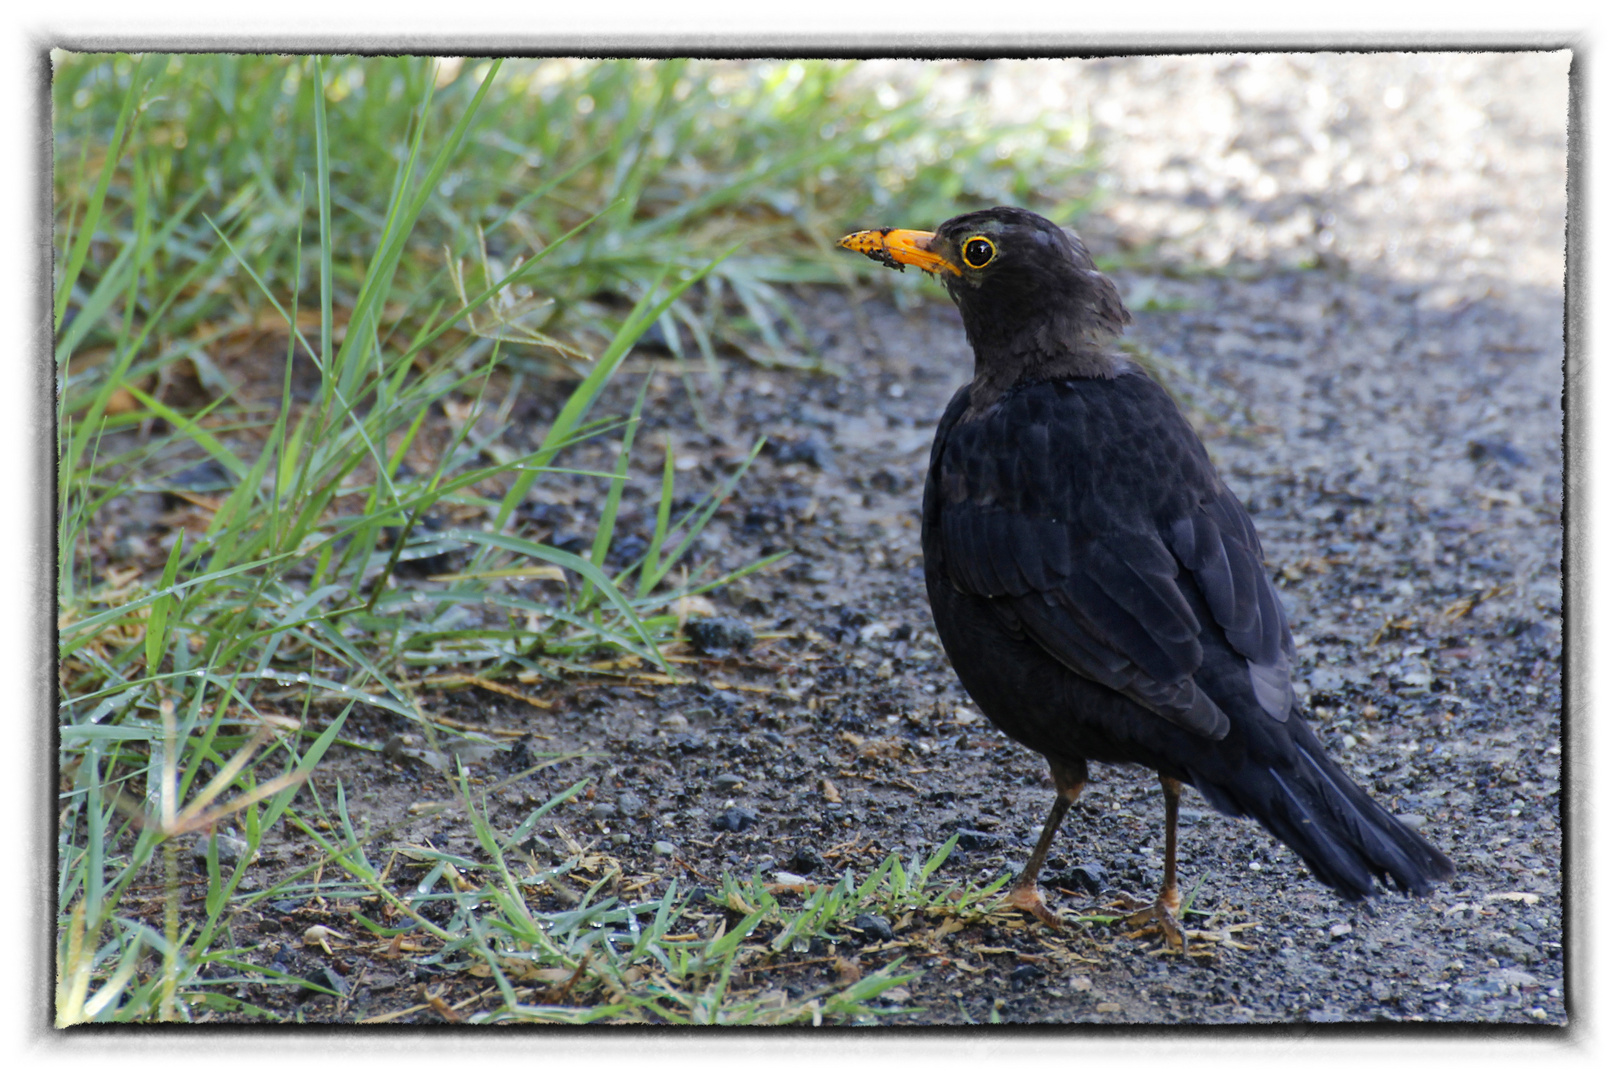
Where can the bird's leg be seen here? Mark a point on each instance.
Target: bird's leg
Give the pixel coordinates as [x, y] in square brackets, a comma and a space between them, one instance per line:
[1025, 894]
[1164, 911]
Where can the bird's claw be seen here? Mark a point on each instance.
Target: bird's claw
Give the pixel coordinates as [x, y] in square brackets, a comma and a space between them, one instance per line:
[1027, 898]
[1158, 917]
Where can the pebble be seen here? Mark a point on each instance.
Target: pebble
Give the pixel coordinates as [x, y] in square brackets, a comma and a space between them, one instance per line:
[1023, 975]
[719, 635]
[324, 978]
[1516, 950]
[729, 781]
[875, 927]
[663, 847]
[806, 860]
[809, 450]
[974, 840]
[1089, 876]
[630, 804]
[231, 848]
[735, 819]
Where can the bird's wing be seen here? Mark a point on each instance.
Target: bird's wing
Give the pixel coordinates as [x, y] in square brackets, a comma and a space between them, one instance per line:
[1068, 507]
[1216, 541]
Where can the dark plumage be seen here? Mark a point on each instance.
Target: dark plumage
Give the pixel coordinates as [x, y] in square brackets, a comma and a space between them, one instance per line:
[1100, 591]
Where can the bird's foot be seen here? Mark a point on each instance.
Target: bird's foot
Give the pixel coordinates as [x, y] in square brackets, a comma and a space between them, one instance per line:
[1026, 897]
[1159, 917]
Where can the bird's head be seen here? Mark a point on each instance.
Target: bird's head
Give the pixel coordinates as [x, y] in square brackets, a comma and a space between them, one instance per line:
[1024, 286]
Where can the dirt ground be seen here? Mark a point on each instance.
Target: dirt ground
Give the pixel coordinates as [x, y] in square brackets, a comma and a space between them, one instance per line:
[1350, 271]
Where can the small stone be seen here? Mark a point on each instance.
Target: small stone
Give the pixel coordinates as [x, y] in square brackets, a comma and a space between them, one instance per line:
[231, 848]
[735, 819]
[974, 840]
[875, 927]
[209, 475]
[603, 811]
[1326, 680]
[1088, 876]
[729, 781]
[719, 635]
[663, 847]
[324, 978]
[805, 861]
[1080, 984]
[1025, 974]
[1500, 449]
[1383, 991]
[874, 631]
[630, 804]
[1341, 930]
[809, 450]
[1108, 1007]
[1514, 949]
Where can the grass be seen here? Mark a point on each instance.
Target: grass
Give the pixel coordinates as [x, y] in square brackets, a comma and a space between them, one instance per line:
[693, 959]
[404, 251]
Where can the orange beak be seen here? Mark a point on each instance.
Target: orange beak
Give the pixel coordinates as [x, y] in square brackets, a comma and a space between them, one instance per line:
[899, 248]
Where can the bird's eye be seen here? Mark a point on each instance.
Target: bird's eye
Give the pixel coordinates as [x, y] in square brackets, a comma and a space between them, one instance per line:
[977, 251]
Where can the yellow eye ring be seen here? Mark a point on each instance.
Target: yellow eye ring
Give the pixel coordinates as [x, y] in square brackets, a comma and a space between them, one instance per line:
[977, 251]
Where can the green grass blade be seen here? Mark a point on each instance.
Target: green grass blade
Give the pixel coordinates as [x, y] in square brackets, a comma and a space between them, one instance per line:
[127, 117]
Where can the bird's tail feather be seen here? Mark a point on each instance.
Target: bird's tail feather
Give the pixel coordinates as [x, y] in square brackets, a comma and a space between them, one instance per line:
[1346, 839]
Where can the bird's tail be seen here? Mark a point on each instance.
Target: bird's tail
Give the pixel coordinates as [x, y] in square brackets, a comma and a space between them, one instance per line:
[1346, 839]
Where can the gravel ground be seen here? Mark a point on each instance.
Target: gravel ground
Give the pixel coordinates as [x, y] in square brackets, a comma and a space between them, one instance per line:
[1350, 270]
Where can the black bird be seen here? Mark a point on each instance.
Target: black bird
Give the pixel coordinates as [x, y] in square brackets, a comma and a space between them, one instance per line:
[1099, 590]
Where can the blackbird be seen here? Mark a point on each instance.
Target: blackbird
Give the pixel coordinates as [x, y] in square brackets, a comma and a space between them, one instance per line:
[1100, 591]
